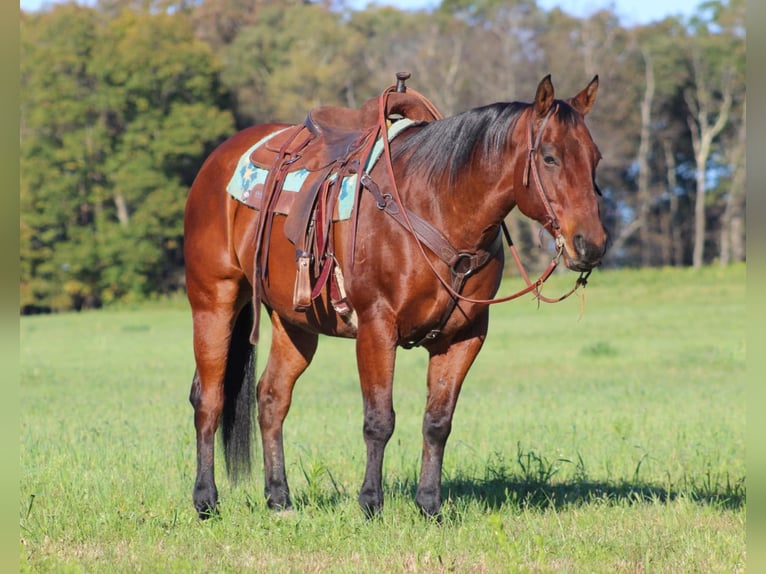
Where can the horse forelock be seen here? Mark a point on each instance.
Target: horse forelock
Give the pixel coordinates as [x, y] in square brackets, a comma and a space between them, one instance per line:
[566, 114]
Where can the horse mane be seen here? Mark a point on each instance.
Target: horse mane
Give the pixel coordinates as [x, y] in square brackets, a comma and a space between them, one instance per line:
[443, 148]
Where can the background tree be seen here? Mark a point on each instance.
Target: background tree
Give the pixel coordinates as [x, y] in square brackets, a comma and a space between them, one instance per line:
[669, 221]
[733, 217]
[292, 58]
[61, 149]
[117, 114]
[713, 61]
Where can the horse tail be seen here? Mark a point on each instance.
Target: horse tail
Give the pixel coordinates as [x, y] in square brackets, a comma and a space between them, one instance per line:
[238, 415]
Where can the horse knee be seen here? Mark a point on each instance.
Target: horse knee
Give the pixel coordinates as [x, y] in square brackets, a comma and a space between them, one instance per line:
[379, 426]
[437, 428]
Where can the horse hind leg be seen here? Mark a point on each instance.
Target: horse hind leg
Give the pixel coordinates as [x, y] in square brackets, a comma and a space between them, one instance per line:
[221, 393]
[291, 352]
[205, 494]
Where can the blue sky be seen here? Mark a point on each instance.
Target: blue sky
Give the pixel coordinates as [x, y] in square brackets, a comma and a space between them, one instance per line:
[629, 11]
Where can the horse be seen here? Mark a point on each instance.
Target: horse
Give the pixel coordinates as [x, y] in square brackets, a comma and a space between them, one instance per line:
[417, 265]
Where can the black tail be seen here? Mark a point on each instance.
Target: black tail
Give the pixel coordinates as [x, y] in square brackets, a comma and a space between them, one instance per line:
[239, 399]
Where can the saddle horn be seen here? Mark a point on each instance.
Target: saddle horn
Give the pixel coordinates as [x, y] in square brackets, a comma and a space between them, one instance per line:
[402, 77]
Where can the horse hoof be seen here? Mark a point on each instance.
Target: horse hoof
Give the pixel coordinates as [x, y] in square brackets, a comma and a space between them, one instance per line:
[282, 505]
[432, 515]
[206, 502]
[285, 512]
[371, 509]
[371, 513]
[430, 507]
[208, 512]
[282, 509]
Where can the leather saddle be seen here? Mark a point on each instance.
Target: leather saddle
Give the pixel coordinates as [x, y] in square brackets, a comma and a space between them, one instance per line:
[333, 143]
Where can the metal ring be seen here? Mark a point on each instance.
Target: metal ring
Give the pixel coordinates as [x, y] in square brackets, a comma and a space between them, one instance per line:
[459, 258]
[383, 204]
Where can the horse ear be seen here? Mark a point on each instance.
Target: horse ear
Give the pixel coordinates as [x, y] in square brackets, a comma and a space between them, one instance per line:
[544, 96]
[583, 101]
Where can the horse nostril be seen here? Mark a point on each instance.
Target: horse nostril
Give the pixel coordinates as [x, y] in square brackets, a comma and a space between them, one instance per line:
[581, 246]
[587, 251]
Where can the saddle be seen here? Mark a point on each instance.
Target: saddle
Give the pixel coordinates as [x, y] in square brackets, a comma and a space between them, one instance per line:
[330, 150]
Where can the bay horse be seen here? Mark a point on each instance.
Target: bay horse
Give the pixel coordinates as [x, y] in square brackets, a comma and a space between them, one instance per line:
[440, 183]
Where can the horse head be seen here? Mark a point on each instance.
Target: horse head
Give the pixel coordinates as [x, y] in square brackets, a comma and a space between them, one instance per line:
[557, 174]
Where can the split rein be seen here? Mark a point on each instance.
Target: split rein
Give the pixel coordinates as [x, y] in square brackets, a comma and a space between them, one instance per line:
[405, 217]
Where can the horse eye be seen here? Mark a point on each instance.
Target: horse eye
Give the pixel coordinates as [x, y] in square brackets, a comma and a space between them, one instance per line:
[549, 160]
[598, 189]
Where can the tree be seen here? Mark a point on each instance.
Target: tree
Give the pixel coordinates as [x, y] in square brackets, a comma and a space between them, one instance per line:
[644, 198]
[715, 58]
[117, 114]
[291, 59]
[651, 202]
[733, 219]
[59, 149]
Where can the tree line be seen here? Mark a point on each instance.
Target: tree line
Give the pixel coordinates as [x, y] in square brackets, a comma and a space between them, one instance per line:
[122, 101]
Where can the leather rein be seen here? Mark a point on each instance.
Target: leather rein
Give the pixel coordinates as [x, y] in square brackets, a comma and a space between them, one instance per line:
[463, 264]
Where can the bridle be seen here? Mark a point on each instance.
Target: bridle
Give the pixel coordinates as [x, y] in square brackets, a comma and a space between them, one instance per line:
[552, 221]
[531, 165]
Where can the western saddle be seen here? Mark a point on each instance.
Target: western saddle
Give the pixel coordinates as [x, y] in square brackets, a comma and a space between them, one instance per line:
[332, 144]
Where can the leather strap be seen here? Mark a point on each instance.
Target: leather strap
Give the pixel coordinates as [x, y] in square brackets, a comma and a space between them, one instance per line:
[531, 165]
[427, 233]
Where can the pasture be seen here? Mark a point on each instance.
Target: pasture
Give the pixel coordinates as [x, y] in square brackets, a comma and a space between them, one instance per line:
[608, 437]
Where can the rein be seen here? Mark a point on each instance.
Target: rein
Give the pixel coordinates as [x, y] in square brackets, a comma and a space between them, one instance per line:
[406, 218]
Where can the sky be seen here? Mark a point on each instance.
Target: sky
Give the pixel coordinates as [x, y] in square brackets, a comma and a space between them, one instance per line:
[629, 11]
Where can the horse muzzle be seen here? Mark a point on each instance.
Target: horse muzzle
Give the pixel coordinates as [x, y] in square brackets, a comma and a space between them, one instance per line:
[583, 255]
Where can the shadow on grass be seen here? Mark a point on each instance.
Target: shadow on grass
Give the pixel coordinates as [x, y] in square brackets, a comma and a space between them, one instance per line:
[529, 483]
[514, 491]
[502, 491]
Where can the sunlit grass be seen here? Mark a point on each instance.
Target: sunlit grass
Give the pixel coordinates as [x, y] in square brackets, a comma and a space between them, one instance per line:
[608, 438]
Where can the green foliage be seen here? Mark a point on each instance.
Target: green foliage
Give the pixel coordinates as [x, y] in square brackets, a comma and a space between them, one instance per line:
[293, 58]
[117, 115]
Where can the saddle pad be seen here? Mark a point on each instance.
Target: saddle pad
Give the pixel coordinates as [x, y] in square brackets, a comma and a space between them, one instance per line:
[246, 183]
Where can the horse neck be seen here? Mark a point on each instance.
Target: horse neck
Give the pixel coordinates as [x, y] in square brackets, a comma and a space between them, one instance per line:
[444, 174]
[470, 209]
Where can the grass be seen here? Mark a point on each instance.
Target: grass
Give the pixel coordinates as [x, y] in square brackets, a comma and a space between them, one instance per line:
[603, 439]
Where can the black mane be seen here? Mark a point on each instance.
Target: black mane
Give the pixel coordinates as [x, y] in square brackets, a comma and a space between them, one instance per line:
[446, 147]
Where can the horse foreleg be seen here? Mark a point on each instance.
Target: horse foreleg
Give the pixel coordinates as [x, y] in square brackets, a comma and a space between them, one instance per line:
[375, 355]
[447, 369]
[291, 352]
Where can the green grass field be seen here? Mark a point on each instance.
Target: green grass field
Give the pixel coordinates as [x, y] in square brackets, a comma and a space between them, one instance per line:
[604, 438]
